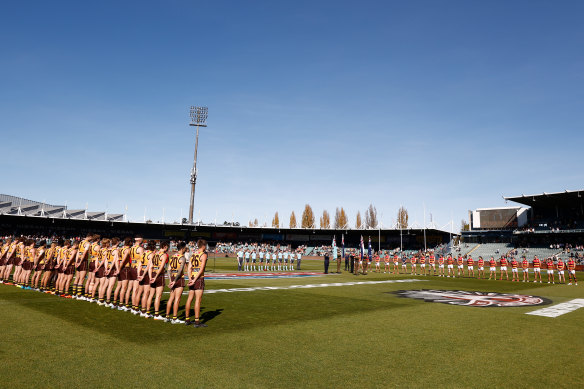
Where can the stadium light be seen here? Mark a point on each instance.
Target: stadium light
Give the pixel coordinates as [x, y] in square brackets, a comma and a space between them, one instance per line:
[198, 119]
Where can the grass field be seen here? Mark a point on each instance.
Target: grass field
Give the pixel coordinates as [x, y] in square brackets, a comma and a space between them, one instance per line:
[337, 336]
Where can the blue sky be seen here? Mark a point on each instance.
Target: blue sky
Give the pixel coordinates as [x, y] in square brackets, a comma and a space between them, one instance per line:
[447, 104]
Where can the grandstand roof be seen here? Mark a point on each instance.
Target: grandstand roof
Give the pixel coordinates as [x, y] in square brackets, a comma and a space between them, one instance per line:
[18, 206]
[565, 198]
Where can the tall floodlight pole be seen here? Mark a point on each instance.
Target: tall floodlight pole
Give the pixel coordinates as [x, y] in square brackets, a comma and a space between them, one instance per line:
[198, 119]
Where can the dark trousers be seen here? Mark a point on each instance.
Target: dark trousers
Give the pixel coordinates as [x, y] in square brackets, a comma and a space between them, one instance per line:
[326, 265]
[346, 264]
[352, 261]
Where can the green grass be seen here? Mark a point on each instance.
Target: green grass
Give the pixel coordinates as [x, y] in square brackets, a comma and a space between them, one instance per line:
[359, 336]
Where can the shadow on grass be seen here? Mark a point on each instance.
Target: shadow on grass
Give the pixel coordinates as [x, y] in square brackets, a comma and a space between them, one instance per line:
[229, 313]
[210, 315]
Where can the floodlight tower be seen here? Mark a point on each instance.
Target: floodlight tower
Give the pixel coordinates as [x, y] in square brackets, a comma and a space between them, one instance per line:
[198, 119]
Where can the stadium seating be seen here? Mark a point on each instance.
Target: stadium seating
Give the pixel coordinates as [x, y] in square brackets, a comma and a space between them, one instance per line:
[487, 250]
[463, 249]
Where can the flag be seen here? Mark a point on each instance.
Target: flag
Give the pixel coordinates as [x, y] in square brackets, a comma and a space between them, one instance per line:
[334, 248]
[369, 249]
[343, 243]
[362, 247]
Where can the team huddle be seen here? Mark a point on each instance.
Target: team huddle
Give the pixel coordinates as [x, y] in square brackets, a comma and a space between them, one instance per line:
[128, 275]
[427, 266]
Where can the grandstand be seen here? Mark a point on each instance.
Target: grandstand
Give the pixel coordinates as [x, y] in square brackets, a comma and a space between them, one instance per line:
[550, 223]
[487, 250]
[18, 206]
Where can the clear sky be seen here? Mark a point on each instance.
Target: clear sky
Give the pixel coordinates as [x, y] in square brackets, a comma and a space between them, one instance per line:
[447, 104]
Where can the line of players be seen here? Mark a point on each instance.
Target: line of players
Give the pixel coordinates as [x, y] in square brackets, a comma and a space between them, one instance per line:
[128, 275]
[266, 260]
[450, 262]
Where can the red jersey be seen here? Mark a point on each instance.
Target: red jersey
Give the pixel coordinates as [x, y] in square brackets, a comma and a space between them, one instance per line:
[536, 262]
[561, 265]
[470, 261]
[441, 260]
[525, 264]
[432, 259]
[503, 261]
[413, 260]
[493, 263]
[514, 264]
[395, 258]
[422, 259]
[481, 262]
[450, 260]
[571, 264]
[460, 261]
[550, 265]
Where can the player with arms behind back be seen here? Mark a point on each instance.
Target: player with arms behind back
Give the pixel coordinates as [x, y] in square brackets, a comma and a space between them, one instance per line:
[196, 271]
[176, 282]
[156, 276]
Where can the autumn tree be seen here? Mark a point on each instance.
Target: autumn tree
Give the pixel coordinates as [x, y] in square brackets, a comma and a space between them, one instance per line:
[358, 221]
[371, 217]
[292, 220]
[307, 217]
[341, 220]
[464, 226]
[402, 218]
[276, 221]
[325, 220]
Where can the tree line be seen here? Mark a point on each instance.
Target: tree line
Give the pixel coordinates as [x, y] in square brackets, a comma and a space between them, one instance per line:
[340, 220]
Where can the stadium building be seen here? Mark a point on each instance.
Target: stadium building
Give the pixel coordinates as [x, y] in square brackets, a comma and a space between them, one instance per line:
[20, 216]
[546, 225]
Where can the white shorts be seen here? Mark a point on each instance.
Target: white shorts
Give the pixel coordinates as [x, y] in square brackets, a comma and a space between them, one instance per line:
[503, 268]
[451, 266]
[526, 270]
[536, 269]
[493, 268]
[441, 266]
[514, 270]
[461, 266]
[386, 263]
[561, 272]
[413, 265]
[422, 265]
[404, 266]
[377, 264]
[550, 271]
[471, 268]
[360, 262]
[433, 265]
[572, 272]
[481, 268]
[395, 264]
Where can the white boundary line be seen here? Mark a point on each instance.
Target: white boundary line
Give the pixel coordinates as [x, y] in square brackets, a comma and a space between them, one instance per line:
[559, 309]
[307, 286]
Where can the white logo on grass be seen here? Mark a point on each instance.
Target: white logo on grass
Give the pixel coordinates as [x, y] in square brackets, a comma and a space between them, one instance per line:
[473, 299]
